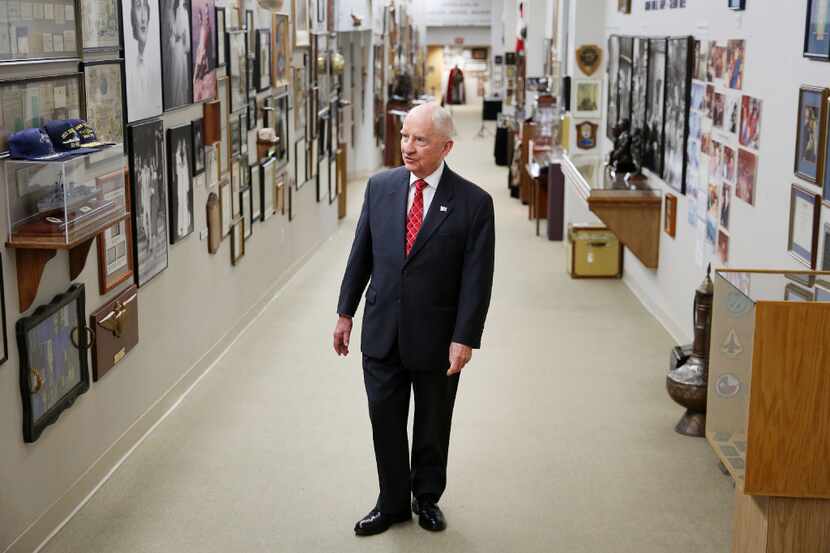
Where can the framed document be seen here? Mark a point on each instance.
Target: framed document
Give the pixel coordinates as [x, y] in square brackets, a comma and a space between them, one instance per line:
[817, 30]
[176, 69]
[34, 101]
[203, 48]
[301, 23]
[53, 360]
[142, 54]
[811, 128]
[180, 181]
[39, 30]
[99, 24]
[220, 37]
[802, 242]
[115, 256]
[104, 91]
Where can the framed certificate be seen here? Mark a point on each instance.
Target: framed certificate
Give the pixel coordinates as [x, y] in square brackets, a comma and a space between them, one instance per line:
[104, 92]
[39, 30]
[802, 242]
[99, 24]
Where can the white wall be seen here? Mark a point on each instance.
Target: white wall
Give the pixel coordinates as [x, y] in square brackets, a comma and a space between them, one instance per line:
[446, 36]
[775, 68]
[364, 156]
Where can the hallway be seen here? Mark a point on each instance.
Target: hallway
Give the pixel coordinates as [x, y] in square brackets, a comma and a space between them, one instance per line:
[562, 437]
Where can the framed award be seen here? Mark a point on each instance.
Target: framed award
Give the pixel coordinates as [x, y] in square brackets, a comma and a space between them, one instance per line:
[802, 242]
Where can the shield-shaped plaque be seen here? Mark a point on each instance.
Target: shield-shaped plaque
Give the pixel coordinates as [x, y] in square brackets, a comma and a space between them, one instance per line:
[586, 135]
[589, 58]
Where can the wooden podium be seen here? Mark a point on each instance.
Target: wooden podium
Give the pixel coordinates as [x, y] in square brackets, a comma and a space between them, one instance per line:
[768, 406]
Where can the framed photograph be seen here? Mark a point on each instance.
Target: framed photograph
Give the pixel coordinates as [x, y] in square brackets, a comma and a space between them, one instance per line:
[624, 6]
[268, 171]
[811, 130]
[279, 192]
[180, 181]
[613, 79]
[639, 91]
[281, 125]
[291, 202]
[235, 134]
[237, 240]
[236, 186]
[747, 169]
[736, 4]
[31, 32]
[678, 97]
[225, 206]
[825, 257]
[220, 31]
[115, 256]
[246, 200]
[99, 25]
[655, 116]
[299, 150]
[255, 183]
[149, 200]
[825, 178]
[142, 54]
[237, 69]
[211, 166]
[300, 100]
[750, 129]
[177, 85]
[625, 78]
[587, 98]
[280, 49]
[263, 59]
[735, 62]
[250, 29]
[224, 124]
[301, 23]
[203, 48]
[104, 94]
[53, 345]
[670, 215]
[251, 114]
[794, 292]
[803, 229]
[5, 352]
[32, 102]
[817, 30]
[198, 162]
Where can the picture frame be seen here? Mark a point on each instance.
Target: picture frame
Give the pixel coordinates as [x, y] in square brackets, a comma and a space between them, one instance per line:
[211, 166]
[736, 5]
[198, 161]
[176, 64]
[291, 202]
[115, 255]
[817, 31]
[624, 6]
[794, 292]
[250, 29]
[100, 30]
[670, 215]
[104, 93]
[300, 148]
[221, 30]
[802, 241]
[213, 218]
[246, 200]
[626, 77]
[148, 200]
[235, 133]
[203, 56]
[26, 24]
[825, 257]
[237, 69]
[268, 171]
[298, 78]
[612, 77]
[212, 122]
[302, 22]
[225, 206]
[639, 88]
[5, 352]
[656, 113]
[180, 181]
[237, 240]
[263, 60]
[222, 85]
[280, 49]
[586, 135]
[280, 184]
[281, 126]
[255, 183]
[587, 101]
[811, 131]
[54, 370]
[679, 64]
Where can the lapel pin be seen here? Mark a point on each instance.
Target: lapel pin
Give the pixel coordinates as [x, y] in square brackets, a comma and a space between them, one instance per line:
[443, 208]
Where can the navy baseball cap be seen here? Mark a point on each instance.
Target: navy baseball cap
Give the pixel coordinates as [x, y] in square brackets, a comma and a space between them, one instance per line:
[74, 135]
[34, 145]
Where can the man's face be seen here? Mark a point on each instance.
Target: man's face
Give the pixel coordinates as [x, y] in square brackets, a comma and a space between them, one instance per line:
[422, 147]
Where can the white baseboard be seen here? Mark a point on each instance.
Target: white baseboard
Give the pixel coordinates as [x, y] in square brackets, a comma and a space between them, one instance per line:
[674, 330]
[38, 534]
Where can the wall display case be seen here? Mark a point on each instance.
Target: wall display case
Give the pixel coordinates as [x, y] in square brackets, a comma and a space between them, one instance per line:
[104, 99]
[53, 360]
[39, 30]
[115, 327]
[34, 101]
[99, 25]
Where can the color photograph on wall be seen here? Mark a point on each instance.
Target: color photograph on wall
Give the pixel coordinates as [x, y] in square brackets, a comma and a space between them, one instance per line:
[203, 19]
[750, 135]
[817, 31]
[810, 131]
[177, 87]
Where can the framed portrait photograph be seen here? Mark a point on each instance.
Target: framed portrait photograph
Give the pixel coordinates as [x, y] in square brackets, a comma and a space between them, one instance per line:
[198, 161]
[624, 6]
[237, 70]
[612, 95]
[237, 240]
[225, 206]
[736, 4]
[180, 181]
[115, 259]
[213, 214]
[142, 54]
[53, 343]
[280, 49]
[268, 170]
[220, 31]
[587, 98]
[263, 59]
[104, 94]
[811, 128]
[802, 242]
[735, 62]
[176, 73]
[678, 97]
[817, 30]
[37, 31]
[149, 200]
[211, 166]
[302, 30]
[655, 114]
[639, 90]
[750, 130]
[203, 48]
[586, 135]
[99, 25]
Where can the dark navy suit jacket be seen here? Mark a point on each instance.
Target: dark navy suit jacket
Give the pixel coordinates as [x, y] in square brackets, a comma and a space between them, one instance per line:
[437, 294]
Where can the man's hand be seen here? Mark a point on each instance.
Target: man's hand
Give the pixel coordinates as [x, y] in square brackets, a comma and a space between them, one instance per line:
[460, 355]
[342, 331]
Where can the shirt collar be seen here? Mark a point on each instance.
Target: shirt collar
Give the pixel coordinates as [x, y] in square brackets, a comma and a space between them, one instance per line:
[431, 180]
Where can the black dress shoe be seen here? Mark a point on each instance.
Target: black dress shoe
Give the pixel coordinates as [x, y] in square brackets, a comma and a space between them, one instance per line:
[376, 522]
[429, 514]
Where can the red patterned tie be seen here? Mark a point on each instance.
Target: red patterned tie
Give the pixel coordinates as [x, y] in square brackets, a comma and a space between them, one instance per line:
[416, 215]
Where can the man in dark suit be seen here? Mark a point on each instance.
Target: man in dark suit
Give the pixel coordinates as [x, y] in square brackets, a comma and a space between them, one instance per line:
[426, 240]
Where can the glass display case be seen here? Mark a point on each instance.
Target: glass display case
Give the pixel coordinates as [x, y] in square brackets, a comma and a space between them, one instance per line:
[59, 203]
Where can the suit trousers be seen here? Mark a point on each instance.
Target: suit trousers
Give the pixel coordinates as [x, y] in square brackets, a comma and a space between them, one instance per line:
[388, 388]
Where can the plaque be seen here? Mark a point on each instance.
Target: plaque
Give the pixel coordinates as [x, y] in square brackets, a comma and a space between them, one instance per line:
[115, 326]
[586, 135]
[589, 58]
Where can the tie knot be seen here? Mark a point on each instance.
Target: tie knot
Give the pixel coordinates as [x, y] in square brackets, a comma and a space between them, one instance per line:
[420, 184]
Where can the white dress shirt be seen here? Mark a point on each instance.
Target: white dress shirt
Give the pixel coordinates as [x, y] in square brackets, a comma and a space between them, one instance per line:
[429, 192]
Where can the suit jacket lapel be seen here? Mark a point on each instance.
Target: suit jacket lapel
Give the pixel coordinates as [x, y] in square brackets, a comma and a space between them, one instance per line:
[439, 210]
[399, 194]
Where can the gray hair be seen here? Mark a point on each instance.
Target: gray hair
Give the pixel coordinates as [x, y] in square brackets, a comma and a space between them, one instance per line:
[442, 121]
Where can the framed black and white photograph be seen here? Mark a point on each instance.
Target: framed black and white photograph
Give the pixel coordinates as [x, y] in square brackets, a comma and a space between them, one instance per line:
[99, 25]
[802, 242]
[246, 200]
[625, 78]
[211, 166]
[811, 128]
[149, 200]
[817, 30]
[678, 97]
[53, 343]
[263, 59]
[268, 170]
[177, 84]
[220, 37]
[104, 99]
[587, 101]
[203, 33]
[639, 92]
[736, 4]
[655, 114]
[198, 162]
[235, 134]
[180, 181]
[281, 124]
[237, 69]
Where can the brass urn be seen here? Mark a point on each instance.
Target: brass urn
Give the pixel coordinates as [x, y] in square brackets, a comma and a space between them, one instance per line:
[687, 383]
